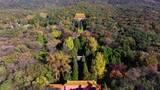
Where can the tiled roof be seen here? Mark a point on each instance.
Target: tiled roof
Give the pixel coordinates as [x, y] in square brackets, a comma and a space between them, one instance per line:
[81, 82]
[74, 84]
[79, 15]
[56, 85]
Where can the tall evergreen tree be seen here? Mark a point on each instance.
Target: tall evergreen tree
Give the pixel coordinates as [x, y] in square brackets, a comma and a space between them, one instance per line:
[77, 43]
[67, 76]
[75, 69]
[85, 69]
[104, 86]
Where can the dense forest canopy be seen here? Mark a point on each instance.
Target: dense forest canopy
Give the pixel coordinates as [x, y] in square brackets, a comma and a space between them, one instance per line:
[117, 46]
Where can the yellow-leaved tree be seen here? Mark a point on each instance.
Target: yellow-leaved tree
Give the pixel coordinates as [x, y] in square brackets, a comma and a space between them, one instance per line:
[93, 44]
[69, 43]
[151, 59]
[99, 64]
[56, 33]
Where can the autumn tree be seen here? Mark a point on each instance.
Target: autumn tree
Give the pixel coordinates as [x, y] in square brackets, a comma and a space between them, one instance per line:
[60, 63]
[99, 64]
[69, 43]
[151, 59]
[56, 33]
[93, 44]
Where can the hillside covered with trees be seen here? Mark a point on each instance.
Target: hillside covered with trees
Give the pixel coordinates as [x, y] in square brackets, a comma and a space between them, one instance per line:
[27, 4]
[119, 47]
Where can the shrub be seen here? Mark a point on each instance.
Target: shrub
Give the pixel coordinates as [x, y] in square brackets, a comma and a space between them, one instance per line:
[41, 39]
[19, 77]
[10, 58]
[41, 80]
[2, 70]
[6, 85]
[3, 73]
[56, 33]
[41, 55]
[151, 59]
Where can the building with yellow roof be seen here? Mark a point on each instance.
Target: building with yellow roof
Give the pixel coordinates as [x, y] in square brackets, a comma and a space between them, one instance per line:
[30, 17]
[75, 85]
[80, 16]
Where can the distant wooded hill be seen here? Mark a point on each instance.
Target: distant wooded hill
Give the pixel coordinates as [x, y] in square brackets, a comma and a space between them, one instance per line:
[46, 3]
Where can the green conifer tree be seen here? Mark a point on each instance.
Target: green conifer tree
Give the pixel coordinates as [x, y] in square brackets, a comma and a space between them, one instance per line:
[67, 76]
[77, 43]
[75, 69]
[85, 69]
[104, 86]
